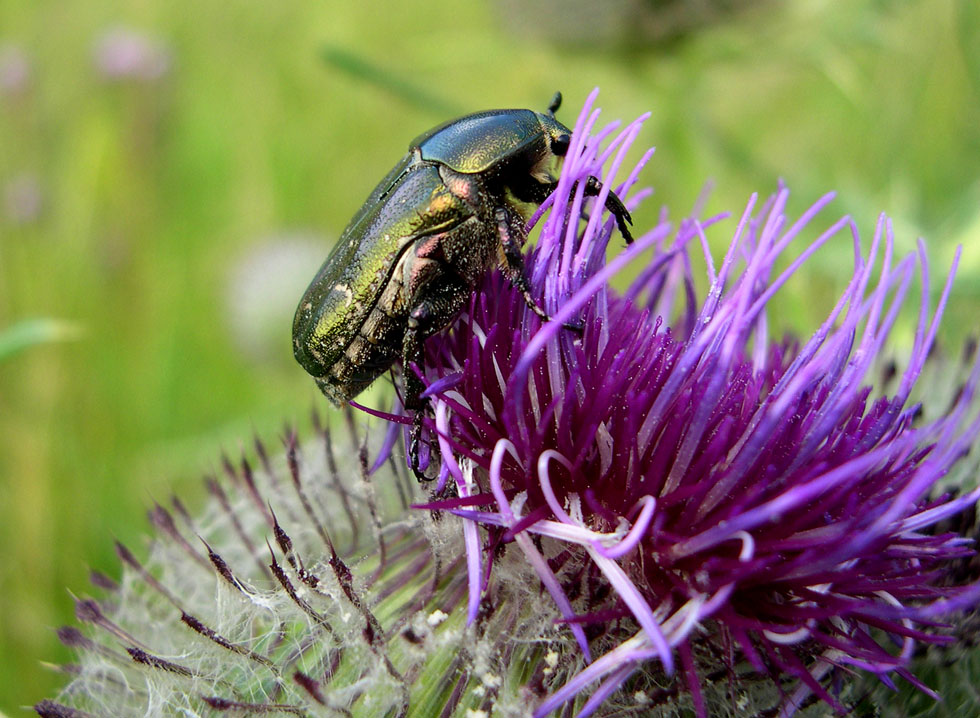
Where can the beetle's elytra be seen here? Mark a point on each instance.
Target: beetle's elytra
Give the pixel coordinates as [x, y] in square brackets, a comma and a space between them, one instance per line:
[433, 227]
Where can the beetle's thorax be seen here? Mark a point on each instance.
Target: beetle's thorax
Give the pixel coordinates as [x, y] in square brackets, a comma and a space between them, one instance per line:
[480, 142]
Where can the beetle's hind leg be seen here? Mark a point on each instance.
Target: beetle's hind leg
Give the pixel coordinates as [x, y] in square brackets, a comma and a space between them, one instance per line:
[442, 299]
[415, 446]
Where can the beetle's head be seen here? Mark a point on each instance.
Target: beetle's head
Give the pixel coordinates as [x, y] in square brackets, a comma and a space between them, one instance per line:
[558, 138]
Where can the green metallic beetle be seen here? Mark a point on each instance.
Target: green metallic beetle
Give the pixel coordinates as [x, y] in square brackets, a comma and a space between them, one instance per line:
[408, 262]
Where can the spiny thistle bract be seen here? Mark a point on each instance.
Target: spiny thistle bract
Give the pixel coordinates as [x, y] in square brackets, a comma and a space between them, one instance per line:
[306, 588]
[666, 512]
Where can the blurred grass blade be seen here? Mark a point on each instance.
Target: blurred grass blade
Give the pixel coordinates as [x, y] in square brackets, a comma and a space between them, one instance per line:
[969, 22]
[30, 332]
[363, 69]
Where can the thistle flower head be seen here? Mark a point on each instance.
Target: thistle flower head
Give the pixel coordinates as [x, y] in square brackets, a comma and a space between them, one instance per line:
[671, 468]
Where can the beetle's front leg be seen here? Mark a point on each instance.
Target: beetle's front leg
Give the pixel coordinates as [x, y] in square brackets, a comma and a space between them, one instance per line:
[615, 206]
[537, 192]
[441, 301]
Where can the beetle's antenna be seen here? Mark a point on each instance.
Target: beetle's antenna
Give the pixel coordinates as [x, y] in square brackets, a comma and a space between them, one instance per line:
[555, 104]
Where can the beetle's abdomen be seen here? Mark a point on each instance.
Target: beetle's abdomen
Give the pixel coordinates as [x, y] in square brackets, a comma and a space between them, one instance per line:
[348, 326]
[375, 347]
[361, 363]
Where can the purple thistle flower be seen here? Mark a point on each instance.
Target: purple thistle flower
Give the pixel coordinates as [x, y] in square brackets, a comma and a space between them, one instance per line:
[691, 494]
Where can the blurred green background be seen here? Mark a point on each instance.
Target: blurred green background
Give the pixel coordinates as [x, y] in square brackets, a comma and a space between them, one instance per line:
[172, 174]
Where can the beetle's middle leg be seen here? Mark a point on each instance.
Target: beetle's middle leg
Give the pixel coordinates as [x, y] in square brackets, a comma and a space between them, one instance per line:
[510, 241]
[441, 300]
[511, 237]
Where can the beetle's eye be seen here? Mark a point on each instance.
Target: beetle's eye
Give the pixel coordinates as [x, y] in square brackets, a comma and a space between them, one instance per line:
[560, 144]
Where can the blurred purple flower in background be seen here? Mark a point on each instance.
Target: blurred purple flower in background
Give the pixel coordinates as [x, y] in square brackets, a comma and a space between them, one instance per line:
[23, 199]
[665, 510]
[122, 53]
[261, 288]
[15, 70]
